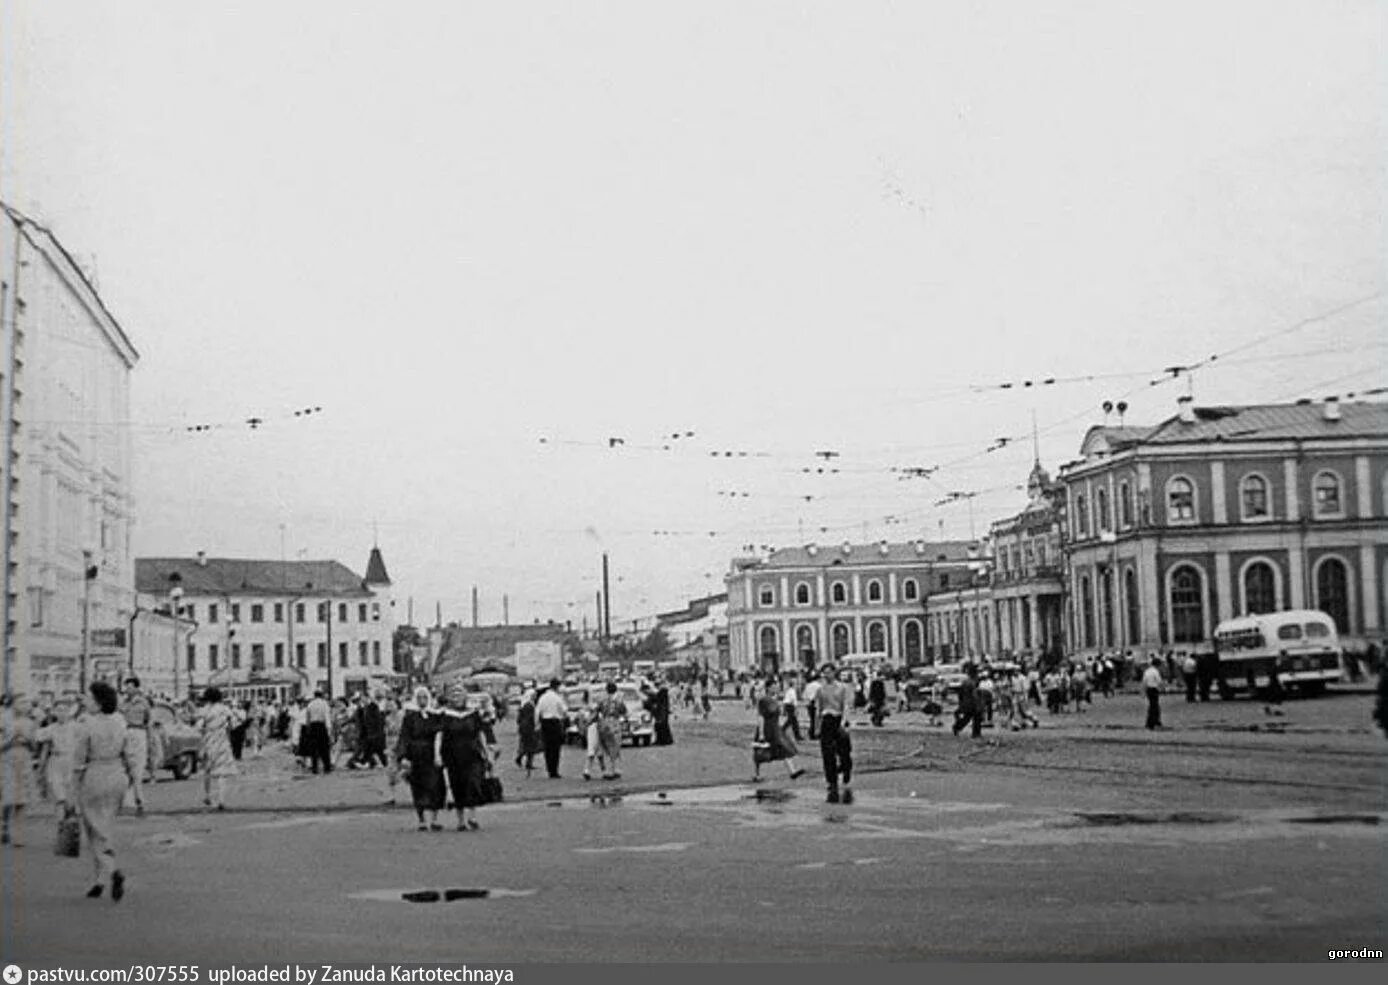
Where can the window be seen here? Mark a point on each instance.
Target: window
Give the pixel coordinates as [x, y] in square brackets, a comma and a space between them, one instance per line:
[804, 645]
[1259, 588]
[300, 655]
[1187, 606]
[212, 656]
[1326, 495]
[192, 658]
[1081, 515]
[766, 596]
[212, 612]
[376, 653]
[1316, 631]
[1134, 609]
[361, 612]
[35, 607]
[1332, 592]
[1041, 553]
[1125, 505]
[768, 641]
[909, 589]
[375, 611]
[342, 654]
[1086, 611]
[874, 591]
[257, 613]
[279, 654]
[324, 610]
[911, 641]
[361, 653]
[322, 654]
[299, 613]
[235, 612]
[841, 640]
[802, 594]
[877, 638]
[257, 656]
[1101, 498]
[1253, 498]
[279, 612]
[1180, 501]
[839, 593]
[342, 612]
[236, 656]
[944, 581]
[1291, 631]
[1106, 592]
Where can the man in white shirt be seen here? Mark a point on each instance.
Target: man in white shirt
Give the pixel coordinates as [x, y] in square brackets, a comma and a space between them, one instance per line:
[318, 739]
[788, 704]
[1151, 683]
[551, 711]
[811, 689]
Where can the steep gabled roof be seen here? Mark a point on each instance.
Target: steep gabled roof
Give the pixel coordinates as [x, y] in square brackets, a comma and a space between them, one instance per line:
[376, 569]
[247, 576]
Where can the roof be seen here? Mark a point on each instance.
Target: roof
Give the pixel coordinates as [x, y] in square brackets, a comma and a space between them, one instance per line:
[1274, 422]
[913, 552]
[376, 569]
[478, 646]
[247, 576]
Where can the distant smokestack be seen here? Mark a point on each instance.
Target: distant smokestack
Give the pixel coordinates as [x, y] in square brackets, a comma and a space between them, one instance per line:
[505, 610]
[606, 601]
[474, 606]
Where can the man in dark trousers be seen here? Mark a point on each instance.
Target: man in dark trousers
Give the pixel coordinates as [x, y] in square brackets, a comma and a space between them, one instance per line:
[550, 712]
[318, 740]
[371, 733]
[969, 711]
[1151, 684]
[835, 747]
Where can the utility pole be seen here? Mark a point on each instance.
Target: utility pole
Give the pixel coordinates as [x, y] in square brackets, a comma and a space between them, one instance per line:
[505, 610]
[328, 606]
[606, 601]
[474, 606]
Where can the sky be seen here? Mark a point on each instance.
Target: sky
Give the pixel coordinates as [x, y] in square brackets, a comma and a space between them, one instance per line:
[543, 266]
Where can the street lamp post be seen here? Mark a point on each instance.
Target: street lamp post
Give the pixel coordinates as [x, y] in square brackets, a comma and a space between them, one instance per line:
[89, 573]
[175, 605]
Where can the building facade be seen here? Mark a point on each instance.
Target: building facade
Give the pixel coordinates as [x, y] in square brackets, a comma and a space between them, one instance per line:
[1028, 588]
[1222, 511]
[65, 403]
[799, 606]
[269, 627]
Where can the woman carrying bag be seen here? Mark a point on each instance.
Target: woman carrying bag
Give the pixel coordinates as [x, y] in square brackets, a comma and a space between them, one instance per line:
[773, 743]
[104, 766]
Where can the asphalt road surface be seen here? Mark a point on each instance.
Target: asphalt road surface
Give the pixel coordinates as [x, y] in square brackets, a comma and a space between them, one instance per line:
[1093, 841]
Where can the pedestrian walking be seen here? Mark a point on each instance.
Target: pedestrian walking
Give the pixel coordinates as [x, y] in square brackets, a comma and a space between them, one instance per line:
[414, 752]
[371, 733]
[528, 733]
[136, 709]
[1189, 671]
[1017, 683]
[1151, 684]
[105, 765]
[16, 762]
[659, 706]
[463, 749]
[58, 744]
[835, 747]
[317, 744]
[215, 723]
[776, 744]
[790, 709]
[968, 712]
[551, 710]
[811, 689]
[877, 700]
[608, 715]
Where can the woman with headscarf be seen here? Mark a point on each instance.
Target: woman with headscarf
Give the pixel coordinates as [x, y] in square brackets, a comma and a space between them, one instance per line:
[215, 722]
[463, 749]
[16, 761]
[104, 766]
[414, 751]
[528, 730]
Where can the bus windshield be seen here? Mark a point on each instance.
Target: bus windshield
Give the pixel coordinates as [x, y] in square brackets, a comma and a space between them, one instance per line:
[1317, 631]
[1291, 631]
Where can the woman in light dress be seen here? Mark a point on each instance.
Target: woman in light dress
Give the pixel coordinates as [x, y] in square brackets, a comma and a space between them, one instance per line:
[608, 716]
[104, 766]
[215, 723]
[16, 761]
[58, 739]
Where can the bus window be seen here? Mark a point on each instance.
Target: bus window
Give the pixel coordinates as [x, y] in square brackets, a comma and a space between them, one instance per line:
[1316, 631]
[1289, 632]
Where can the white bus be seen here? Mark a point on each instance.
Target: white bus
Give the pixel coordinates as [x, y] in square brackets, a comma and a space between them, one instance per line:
[1301, 644]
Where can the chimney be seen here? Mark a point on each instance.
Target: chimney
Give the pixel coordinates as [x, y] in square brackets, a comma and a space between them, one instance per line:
[1331, 409]
[1185, 409]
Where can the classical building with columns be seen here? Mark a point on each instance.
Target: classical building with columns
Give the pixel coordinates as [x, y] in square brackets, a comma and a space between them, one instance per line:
[1028, 587]
[1222, 511]
[798, 606]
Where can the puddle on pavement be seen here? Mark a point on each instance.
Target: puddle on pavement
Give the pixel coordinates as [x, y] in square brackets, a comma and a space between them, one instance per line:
[439, 895]
[1372, 819]
[671, 846]
[1115, 819]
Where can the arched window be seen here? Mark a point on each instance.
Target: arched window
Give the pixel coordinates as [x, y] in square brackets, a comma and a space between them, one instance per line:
[768, 641]
[1086, 611]
[911, 641]
[1134, 609]
[1125, 505]
[1101, 498]
[1081, 514]
[1180, 500]
[802, 594]
[1325, 495]
[804, 645]
[1253, 498]
[1106, 595]
[1332, 591]
[1187, 606]
[766, 596]
[1259, 588]
[909, 590]
[877, 638]
[839, 593]
[874, 591]
[841, 640]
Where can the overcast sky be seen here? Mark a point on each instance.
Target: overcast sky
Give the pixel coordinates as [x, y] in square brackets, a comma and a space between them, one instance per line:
[784, 227]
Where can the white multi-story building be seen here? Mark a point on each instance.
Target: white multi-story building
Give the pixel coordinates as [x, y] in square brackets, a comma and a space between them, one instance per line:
[797, 607]
[64, 408]
[268, 628]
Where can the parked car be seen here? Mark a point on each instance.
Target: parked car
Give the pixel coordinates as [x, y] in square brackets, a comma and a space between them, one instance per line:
[181, 741]
[638, 727]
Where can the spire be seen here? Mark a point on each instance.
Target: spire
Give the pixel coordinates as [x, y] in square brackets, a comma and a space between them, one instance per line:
[376, 569]
[1035, 442]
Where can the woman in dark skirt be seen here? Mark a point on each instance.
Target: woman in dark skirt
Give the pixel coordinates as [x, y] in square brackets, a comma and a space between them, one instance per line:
[414, 751]
[463, 747]
[779, 746]
[528, 730]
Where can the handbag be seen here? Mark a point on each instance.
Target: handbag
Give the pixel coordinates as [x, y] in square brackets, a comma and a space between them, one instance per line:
[761, 749]
[492, 790]
[69, 841]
